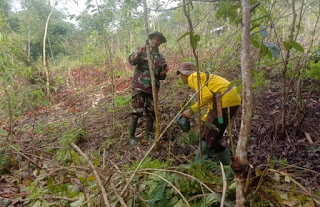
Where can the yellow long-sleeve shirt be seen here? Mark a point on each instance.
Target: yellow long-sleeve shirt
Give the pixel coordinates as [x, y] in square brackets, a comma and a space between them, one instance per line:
[216, 84]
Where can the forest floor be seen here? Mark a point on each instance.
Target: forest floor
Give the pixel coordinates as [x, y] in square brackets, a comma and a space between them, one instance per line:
[88, 103]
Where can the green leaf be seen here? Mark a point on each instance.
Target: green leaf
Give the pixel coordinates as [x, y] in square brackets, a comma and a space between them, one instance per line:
[158, 193]
[275, 50]
[179, 204]
[296, 46]
[255, 43]
[78, 202]
[239, 88]
[286, 45]
[210, 199]
[185, 34]
[264, 33]
[196, 39]
[263, 50]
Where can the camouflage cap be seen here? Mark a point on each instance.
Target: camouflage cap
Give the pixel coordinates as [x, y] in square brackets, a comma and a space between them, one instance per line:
[158, 34]
[186, 68]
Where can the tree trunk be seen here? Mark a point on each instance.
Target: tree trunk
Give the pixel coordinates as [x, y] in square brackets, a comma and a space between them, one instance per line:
[186, 13]
[44, 52]
[284, 73]
[153, 82]
[108, 52]
[240, 162]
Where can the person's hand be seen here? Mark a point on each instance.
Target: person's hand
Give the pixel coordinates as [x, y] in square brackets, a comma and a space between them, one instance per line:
[142, 50]
[187, 113]
[164, 72]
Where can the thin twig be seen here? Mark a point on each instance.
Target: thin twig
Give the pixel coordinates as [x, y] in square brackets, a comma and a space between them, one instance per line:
[118, 196]
[224, 189]
[178, 172]
[86, 192]
[121, 173]
[51, 198]
[23, 155]
[293, 180]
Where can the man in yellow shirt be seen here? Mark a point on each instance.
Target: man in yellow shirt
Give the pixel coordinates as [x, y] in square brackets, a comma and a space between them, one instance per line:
[211, 136]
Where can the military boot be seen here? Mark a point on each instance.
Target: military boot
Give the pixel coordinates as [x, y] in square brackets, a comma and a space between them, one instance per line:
[149, 129]
[132, 129]
[205, 153]
[225, 158]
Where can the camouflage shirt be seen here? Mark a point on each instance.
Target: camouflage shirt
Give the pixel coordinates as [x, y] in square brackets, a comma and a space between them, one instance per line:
[142, 78]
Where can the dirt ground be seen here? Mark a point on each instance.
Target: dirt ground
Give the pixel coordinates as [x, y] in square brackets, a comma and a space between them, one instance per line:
[89, 102]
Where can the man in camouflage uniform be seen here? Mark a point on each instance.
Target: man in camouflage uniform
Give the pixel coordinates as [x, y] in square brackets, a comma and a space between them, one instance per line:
[142, 99]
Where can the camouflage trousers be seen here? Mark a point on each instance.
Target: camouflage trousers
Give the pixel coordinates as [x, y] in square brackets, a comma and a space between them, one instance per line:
[142, 102]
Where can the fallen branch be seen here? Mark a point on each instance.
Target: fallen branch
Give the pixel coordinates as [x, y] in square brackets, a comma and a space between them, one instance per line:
[51, 198]
[118, 196]
[23, 155]
[224, 189]
[103, 191]
[293, 180]
[86, 192]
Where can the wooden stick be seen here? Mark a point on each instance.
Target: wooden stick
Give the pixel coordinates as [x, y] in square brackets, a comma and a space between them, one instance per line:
[224, 189]
[103, 190]
[118, 196]
[86, 192]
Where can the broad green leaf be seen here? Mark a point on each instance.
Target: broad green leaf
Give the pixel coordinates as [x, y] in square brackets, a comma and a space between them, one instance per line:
[255, 43]
[233, 186]
[210, 199]
[275, 50]
[264, 33]
[158, 193]
[196, 39]
[78, 202]
[314, 71]
[296, 46]
[179, 204]
[286, 45]
[263, 50]
[255, 25]
[185, 34]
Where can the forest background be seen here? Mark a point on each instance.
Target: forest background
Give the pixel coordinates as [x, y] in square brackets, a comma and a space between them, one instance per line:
[65, 103]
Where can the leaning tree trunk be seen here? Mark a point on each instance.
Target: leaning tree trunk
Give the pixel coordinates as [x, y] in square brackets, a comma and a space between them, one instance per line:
[44, 52]
[153, 82]
[240, 161]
